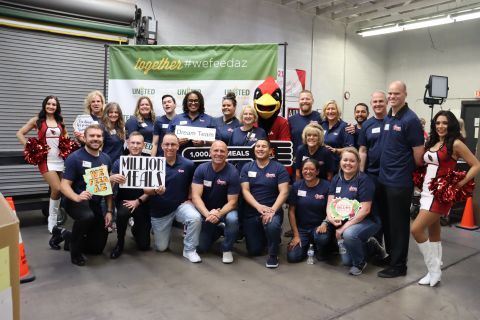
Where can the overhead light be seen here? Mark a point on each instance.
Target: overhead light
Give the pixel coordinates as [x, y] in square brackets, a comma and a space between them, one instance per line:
[378, 31]
[466, 16]
[428, 23]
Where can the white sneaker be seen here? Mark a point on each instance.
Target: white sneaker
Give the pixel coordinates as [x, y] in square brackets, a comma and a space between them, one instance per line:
[192, 256]
[227, 257]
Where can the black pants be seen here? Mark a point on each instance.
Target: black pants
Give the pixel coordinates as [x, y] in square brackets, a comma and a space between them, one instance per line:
[396, 222]
[141, 228]
[88, 232]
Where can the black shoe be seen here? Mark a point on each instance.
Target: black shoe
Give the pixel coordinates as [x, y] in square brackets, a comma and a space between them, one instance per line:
[79, 260]
[56, 238]
[272, 262]
[116, 252]
[392, 272]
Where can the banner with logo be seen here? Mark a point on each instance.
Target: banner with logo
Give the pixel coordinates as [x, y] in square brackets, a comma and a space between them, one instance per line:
[214, 70]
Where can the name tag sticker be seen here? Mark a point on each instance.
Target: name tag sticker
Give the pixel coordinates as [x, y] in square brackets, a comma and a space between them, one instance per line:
[183, 122]
[113, 131]
[143, 124]
[252, 135]
[387, 126]
[207, 183]
[376, 130]
[338, 189]
[86, 164]
[165, 126]
[252, 174]
[305, 158]
[302, 193]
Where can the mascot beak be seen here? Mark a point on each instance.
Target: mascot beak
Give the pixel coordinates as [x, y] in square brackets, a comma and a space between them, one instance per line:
[267, 106]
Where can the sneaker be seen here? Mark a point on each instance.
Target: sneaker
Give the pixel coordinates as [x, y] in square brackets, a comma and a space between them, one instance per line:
[377, 247]
[272, 262]
[357, 270]
[192, 256]
[227, 257]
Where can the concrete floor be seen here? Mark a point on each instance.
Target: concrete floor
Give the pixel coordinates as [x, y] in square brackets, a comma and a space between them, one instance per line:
[151, 285]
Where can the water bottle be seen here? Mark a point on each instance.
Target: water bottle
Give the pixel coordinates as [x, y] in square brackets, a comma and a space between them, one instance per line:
[342, 250]
[310, 254]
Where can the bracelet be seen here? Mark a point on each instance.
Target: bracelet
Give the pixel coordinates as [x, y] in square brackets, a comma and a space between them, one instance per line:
[109, 211]
[140, 200]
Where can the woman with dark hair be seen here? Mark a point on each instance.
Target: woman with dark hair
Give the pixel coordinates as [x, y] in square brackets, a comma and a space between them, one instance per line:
[265, 189]
[113, 126]
[444, 146]
[50, 127]
[193, 116]
[307, 214]
[355, 232]
[228, 122]
[142, 121]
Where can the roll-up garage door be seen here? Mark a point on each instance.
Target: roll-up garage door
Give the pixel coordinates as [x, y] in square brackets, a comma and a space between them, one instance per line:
[33, 65]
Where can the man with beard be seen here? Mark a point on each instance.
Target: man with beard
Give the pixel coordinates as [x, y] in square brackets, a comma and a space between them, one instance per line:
[361, 114]
[89, 233]
[299, 121]
[215, 190]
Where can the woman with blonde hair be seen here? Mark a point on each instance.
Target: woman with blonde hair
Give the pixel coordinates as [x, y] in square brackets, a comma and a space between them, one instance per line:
[142, 121]
[113, 126]
[93, 105]
[313, 147]
[336, 138]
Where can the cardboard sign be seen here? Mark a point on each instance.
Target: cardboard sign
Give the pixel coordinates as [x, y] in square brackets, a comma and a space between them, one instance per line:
[82, 122]
[98, 181]
[195, 133]
[142, 172]
[282, 152]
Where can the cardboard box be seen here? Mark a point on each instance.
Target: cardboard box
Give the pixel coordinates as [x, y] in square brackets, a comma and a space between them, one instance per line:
[9, 263]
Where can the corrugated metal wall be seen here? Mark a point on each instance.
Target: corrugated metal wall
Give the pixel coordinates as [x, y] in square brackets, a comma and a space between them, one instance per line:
[34, 65]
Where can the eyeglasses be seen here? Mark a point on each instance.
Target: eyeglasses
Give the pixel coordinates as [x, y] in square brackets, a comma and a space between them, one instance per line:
[192, 101]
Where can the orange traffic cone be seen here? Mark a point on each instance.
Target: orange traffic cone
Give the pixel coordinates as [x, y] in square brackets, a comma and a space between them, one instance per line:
[26, 275]
[468, 220]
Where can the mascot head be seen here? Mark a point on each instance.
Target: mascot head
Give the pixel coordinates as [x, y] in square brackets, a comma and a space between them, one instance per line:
[267, 99]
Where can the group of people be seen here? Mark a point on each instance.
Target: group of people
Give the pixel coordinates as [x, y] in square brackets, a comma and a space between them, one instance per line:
[371, 162]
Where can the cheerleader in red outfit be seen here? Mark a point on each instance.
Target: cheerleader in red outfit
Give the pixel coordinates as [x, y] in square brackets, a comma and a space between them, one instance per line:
[444, 146]
[49, 124]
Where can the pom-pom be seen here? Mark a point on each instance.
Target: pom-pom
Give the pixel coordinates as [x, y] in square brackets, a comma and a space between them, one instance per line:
[445, 188]
[419, 176]
[66, 146]
[35, 151]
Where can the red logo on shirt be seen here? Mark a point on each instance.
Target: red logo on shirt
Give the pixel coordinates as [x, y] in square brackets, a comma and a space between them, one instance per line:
[397, 128]
[270, 175]
[181, 170]
[230, 130]
[221, 182]
[352, 189]
[319, 196]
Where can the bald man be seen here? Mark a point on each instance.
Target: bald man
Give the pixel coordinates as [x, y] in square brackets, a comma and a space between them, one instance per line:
[402, 150]
[215, 190]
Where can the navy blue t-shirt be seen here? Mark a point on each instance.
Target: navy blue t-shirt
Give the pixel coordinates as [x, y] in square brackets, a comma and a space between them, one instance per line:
[263, 183]
[356, 135]
[217, 186]
[112, 144]
[160, 127]
[145, 128]
[297, 123]
[310, 203]
[246, 138]
[360, 187]
[400, 134]
[225, 129]
[322, 155]
[337, 137]
[124, 193]
[177, 184]
[369, 137]
[77, 163]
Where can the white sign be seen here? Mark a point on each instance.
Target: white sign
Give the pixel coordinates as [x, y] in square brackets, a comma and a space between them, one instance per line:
[195, 133]
[82, 122]
[142, 172]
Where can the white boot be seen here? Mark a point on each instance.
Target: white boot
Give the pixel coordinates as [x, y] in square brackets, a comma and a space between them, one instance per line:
[425, 249]
[436, 263]
[54, 206]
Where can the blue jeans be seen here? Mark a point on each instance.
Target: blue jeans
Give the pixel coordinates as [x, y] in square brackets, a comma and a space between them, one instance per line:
[186, 214]
[257, 234]
[356, 237]
[323, 243]
[211, 232]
